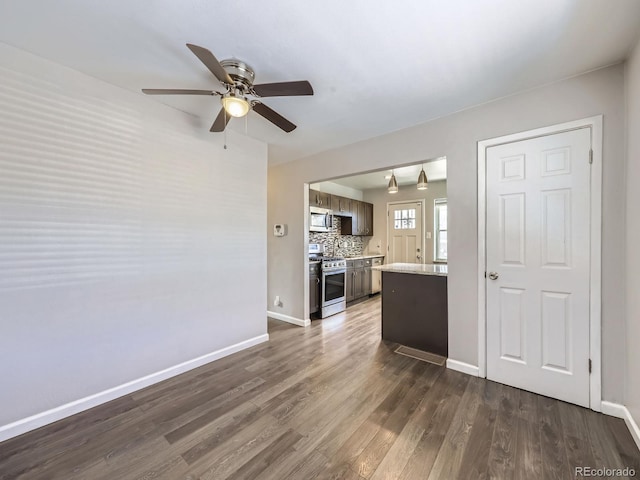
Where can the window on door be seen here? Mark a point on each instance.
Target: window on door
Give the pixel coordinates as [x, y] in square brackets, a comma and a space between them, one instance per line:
[404, 219]
[440, 228]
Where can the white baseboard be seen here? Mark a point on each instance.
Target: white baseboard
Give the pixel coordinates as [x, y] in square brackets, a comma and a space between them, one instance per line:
[44, 418]
[620, 411]
[288, 319]
[463, 367]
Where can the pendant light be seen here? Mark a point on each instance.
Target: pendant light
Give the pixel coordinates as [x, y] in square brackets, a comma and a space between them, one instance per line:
[422, 180]
[393, 185]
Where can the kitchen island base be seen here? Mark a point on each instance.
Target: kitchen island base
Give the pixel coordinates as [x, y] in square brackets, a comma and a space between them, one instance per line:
[414, 311]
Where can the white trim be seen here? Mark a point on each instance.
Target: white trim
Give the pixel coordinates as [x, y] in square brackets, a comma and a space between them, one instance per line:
[44, 418]
[620, 411]
[423, 202]
[305, 259]
[288, 319]
[463, 367]
[436, 230]
[595, 284]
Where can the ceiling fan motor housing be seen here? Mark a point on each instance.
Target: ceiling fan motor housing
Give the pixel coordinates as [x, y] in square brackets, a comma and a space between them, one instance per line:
[239, 71]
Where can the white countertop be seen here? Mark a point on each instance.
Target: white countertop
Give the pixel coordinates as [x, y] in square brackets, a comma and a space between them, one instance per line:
[360, 257]
[416, 268]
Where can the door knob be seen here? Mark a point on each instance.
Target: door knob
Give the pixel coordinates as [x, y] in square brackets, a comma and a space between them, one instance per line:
[493, 275]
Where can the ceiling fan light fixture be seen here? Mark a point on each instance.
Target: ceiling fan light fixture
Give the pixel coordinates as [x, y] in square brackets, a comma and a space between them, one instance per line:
[393, 184]
[422, 180]
[234, 105]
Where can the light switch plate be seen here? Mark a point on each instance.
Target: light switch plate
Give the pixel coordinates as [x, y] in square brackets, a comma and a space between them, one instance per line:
[428, 235]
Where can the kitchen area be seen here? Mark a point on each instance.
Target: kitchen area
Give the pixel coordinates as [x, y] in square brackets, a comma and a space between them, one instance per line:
[383, 234]
[339, 269]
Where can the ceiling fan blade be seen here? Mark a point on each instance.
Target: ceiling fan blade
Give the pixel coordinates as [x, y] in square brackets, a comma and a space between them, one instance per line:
[176, 91]
[273, 116]
[220, 123]
[211, 62]
[283, 89]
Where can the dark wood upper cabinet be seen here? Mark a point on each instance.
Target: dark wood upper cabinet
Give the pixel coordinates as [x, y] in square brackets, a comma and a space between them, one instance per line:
[368, 219]
[319, 199]
[349, 225]
[357, 216]
[341, 206]
[361, 220]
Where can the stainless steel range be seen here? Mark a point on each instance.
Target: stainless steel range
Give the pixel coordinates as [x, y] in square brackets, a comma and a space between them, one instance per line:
[334, 286]
[334, 281]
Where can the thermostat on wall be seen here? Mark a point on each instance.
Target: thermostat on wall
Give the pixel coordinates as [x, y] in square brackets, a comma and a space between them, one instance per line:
[279, 230]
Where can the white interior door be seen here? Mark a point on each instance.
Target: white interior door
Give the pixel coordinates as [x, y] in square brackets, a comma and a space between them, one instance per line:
[537, 241]
[405, 233]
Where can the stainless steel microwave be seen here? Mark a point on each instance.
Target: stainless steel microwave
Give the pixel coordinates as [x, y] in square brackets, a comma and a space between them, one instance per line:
[320, 219]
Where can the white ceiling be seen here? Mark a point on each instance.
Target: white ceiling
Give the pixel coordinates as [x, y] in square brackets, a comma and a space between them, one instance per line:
[436, 170]
[376, 67]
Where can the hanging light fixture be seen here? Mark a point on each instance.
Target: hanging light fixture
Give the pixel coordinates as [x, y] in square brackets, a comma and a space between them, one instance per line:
[393, 185]
[235, 105]
[422, 180]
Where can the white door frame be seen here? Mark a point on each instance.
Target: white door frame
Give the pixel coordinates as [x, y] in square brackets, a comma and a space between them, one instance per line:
[595, 280]
[422, 201]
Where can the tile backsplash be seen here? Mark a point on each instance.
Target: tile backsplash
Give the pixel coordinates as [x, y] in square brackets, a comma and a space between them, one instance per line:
[336, 244]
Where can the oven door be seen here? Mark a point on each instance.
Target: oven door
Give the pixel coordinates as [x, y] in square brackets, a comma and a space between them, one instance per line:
[333, 287]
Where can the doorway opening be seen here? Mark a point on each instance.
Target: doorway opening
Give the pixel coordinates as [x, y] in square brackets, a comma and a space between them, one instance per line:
[358, 206]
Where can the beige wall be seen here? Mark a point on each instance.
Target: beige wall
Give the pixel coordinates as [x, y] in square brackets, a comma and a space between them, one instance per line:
[632, 394]
[456, 137]
[129, 256]
[380, 197]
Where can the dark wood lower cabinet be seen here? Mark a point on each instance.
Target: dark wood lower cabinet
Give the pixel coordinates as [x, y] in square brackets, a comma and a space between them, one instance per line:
[315, 293]
[355, 280]
[359, 282]
[366, 281]
[349, 285]
[355, 284]
[414, 311]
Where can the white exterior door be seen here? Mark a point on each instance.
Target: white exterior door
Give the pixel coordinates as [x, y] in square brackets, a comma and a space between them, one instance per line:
[405, 233]
[538, 243]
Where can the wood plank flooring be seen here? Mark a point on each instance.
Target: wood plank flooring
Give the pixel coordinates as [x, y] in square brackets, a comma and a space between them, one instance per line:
[327, 402]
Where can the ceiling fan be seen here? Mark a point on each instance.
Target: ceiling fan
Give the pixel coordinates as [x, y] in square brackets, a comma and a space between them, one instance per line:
[237, 79]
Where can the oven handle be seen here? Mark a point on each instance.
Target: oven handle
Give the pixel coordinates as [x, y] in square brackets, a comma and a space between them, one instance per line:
[333, 272]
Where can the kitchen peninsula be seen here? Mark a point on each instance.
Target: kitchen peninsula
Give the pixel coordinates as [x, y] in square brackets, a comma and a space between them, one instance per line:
[414, 306]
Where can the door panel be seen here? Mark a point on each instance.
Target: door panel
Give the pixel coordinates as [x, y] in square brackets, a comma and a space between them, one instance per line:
[512, 343]
[512, 219]
[556, 228]
[538, 247]
[556, 331]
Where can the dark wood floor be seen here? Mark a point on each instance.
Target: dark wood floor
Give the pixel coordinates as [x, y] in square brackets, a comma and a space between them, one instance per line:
[327, 402]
